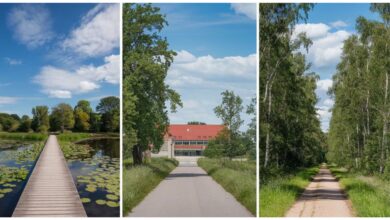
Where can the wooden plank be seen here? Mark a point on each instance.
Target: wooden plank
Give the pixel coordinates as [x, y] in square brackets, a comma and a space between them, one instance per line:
[50, 190]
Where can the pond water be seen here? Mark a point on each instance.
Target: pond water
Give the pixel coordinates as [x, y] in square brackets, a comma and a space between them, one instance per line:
[94, 165]
[16, 163]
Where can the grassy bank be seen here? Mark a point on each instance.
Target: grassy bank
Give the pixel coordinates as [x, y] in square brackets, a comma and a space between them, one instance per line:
[23, 136]
[278, 194]
[140, 180]
[370, 195]
[238, 178]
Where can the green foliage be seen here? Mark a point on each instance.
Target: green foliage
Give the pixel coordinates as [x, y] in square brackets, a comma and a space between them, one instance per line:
[8, 123]
[40, 121]
[141, 180]
[109, 109]
[25, 124]
[195, 123]
[82, 112]
[290, 133]
[146, 59]
[358, 133]
[73, 137]
[236, 177]
[61, 117]
[363, 190]
[23, 136]
[225, 144]
[229, 111]
[280, 192]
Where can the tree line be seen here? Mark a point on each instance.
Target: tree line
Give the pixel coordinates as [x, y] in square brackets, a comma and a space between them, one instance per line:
[359, 127]
[290, 133]
[64, 117]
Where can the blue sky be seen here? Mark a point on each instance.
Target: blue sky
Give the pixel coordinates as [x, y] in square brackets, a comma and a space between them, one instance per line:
[329, 24]
[52, 53]
[216, 46]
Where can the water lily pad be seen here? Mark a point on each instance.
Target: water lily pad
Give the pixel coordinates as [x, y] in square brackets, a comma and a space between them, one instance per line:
[1, 196]
[91, 189]
[101, 202]
[112, 204]
[85, 200]
[112, 197]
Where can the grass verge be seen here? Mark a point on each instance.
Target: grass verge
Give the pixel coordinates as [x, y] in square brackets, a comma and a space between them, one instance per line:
[23, 136]
[370, 195]
[140, 180]
[278, 194]
[236, 177]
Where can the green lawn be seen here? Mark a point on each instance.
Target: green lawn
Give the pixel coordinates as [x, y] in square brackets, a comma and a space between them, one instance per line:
[278, 194]
[138, 181]
[370, 195]
[236, 177]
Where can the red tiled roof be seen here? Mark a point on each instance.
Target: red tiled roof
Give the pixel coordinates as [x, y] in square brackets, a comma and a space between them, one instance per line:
[194, 132]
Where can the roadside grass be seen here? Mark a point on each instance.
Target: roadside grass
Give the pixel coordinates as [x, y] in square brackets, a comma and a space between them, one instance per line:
[139, 181]
[23, 136]
[278, 194]
[236, 177]
[370, 195]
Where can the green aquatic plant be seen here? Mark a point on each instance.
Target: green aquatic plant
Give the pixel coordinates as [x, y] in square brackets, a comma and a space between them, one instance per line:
[112, 197]
[101, 202]
[112, 204]
[85, 200]
[75, 151]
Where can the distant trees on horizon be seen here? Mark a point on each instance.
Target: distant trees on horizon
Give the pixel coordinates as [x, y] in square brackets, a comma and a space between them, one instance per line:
[63, 117]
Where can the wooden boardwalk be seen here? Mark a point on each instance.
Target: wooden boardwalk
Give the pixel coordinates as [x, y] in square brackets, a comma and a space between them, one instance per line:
[50, 190]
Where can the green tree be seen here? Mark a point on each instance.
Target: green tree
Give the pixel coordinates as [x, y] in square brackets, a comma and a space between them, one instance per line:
[290, 133]
[195, 123]
[147, 59]
[109, 108]
[40, 121]
[358, 132]
[61, 117]
[9, 122]
[25, 124]
[229, 111]
[82, 112]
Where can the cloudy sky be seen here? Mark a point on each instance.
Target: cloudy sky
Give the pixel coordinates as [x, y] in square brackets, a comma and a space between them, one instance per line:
[52, 53]
[216, 47]
[328, 26]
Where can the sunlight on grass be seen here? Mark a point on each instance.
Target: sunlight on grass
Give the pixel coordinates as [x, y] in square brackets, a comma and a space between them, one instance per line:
[236, 177]
[139, 181]
[280, 193]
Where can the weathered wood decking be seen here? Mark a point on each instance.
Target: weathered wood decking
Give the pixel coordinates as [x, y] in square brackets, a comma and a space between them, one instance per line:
[50, 190]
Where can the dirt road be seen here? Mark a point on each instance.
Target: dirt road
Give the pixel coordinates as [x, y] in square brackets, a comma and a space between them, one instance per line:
[322, 198]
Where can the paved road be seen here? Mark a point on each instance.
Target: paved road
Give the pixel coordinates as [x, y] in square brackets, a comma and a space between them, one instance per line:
[322, 198]
[50, 190]
[189, 192]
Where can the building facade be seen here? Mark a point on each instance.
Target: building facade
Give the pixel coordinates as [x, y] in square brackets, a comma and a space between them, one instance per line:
[189, 140]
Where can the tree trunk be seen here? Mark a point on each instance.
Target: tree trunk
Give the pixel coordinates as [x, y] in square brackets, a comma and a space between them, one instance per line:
[267, 147]
[137, 154]
[384, 131]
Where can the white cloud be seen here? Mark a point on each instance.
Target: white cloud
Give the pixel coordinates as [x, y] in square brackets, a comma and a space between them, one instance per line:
[324, 84]
[188, 69]
[247, 9]
[60, 83]
[12, 62]
[338, 24]
[98, 33]
[312, 31]
[327, 46]
[31, 24]
[328, 102]
[7, 100]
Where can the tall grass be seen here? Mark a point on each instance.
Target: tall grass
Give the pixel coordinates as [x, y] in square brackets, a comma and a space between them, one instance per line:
[72, 137]
[23, 136]
[236, 177]
[370, 195]
[278, 194]
[139, 181]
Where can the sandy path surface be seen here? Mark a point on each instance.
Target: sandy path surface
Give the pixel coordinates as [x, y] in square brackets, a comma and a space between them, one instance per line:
[322, 198]
[189, 192]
